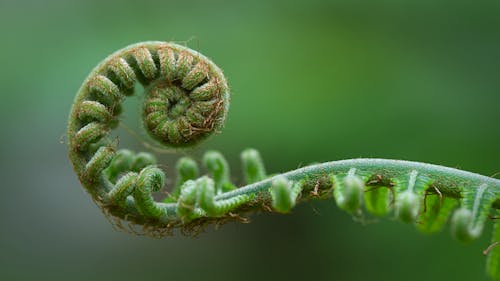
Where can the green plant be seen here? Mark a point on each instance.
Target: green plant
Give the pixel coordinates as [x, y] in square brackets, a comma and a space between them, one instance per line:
[186, 100]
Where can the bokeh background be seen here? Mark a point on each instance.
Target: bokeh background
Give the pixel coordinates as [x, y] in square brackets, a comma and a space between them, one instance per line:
[311, 81]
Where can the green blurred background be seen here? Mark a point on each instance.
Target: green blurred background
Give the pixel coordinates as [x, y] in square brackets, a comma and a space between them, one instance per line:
[311, 81]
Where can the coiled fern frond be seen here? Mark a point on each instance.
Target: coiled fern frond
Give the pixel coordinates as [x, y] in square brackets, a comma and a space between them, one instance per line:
[186, 99]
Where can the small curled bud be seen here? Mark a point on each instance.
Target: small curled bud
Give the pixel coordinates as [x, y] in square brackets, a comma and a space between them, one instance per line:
[93, 111]
[253, 166]
[410, 188]
[187, 200]
[407, 206]
[126, 160]
[122, 161]
[206, 195]
[150, 179]
[218, 167]
[468, 221]
[187, 169]
[141, 160]
[348, 192]
[212, 207]
[284, 194]
[123, 188]
[461, 226]
[99, 162]
[89, 134]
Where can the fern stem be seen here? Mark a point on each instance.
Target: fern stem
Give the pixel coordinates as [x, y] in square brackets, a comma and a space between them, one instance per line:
[449, 181]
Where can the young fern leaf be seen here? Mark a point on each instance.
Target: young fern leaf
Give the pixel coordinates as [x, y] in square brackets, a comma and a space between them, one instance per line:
[218, 167]
[187, 169]
[122, 162]
[123, 188]
[284, 194]
[186, 99]
[409, 200]
[436, 213]
[186, 205]
[142, 160]
[378, 200]
[348, 191]
[468, 221]
[149, 180]
[253, 166]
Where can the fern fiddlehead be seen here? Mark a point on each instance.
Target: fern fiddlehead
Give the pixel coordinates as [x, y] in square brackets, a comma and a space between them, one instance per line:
[186, 99]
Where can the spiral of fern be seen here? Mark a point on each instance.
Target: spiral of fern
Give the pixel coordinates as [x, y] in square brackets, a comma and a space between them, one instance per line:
[186, 99]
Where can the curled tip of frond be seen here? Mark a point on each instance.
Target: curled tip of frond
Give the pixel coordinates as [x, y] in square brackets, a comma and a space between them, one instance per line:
[152, 178]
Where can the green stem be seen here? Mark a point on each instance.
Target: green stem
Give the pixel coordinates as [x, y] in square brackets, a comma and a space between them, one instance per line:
[449, 181]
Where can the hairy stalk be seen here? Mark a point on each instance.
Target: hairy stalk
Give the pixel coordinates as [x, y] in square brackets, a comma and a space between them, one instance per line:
[186, 99]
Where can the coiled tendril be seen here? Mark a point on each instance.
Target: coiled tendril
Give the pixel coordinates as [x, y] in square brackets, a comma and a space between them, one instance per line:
[186, 99]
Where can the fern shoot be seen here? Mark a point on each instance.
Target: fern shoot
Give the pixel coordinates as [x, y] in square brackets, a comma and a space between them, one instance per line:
[186, 100]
